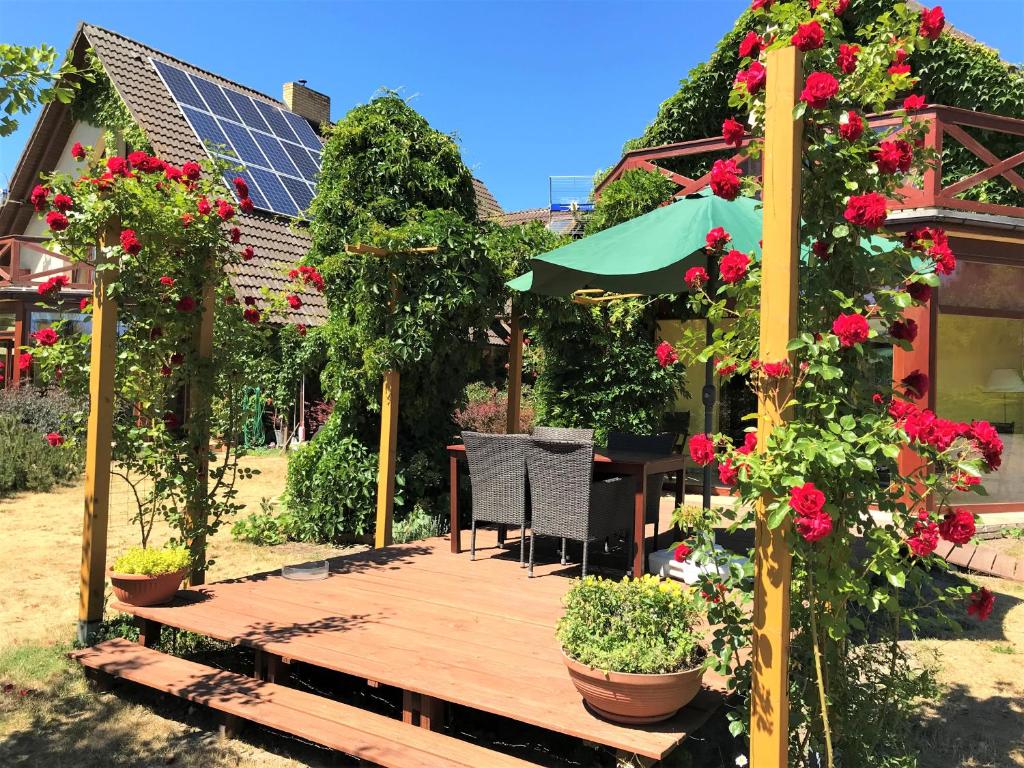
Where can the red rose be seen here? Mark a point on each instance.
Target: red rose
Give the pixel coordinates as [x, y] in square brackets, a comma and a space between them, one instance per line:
[53, 285]
[57, 221]
[63, 202]
[806, 499]
[702, 449]
[980, 603]
[932, 22]
[245, 204]
[904, 330]
[924, 539]
[24, 361]
[186, 219]
[165, 370]
[733, 266]
[78, 151]
[985, 436]
[753, 77]
[725, 368]
[749, 444]
[820, 249]
[46, 337]
[225, 210]
[717, 238]
[191, 170]
[851, 126]
[892, 156]
[310, 276]
[166, 280]
[236, 235]
[757, 5]
[172, 174]
[137, 158]
[920, 292]
[809, 36]
[666, 354]
[682, 552]
[186, 304]
[778, 370]
[250, 301]
[727, 473]
[54, 439]
[815, 526]
[248, 252]
[819, 89]
[916, 384]
[170, 421]
[177, 358]
[962, 481]
[847, 58]
[294, 301]
[957, 526]
[204, 206]
[130, 242]
[241, 187]
[913, 101]
[725, 181]
[945, 261]
[867, 210]
[841, 6]
[118, 166]
[301, 328]
[751, 45]
[696, 277]
[851, 329]
[83, 305]
[251, 315]
[732, 132]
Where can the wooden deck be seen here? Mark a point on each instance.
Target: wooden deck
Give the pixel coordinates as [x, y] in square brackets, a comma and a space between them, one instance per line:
[434, 624]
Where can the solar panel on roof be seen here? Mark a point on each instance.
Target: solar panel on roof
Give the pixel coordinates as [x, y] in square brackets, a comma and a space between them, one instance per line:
[279, 150]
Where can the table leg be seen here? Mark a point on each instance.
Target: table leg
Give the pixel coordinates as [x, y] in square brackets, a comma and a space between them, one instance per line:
[149, 631]
[680, 491]
[453, 492]
[640, 526]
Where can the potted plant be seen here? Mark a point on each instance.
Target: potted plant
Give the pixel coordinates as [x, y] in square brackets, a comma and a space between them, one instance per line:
[149, 576]
[631, 647]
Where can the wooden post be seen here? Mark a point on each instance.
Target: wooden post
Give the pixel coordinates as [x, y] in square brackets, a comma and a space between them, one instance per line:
[769, 706]
[98, 448]
[386, 466]
[21, 323]
[515, 372]
[921, 358]
[198, 422]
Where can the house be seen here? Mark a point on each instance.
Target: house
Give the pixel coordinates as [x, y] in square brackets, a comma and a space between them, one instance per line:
[144, 78]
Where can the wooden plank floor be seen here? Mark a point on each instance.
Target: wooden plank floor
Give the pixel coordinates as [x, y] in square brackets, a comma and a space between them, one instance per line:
[415, 616]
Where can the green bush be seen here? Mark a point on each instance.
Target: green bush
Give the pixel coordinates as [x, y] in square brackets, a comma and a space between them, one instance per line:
[640, 626]
[43, 410]
[420, 524]
[263, 528]
[29, 463]
[152, 562]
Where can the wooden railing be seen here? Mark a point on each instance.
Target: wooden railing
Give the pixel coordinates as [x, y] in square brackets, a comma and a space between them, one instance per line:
[15, 272]
[945, 124]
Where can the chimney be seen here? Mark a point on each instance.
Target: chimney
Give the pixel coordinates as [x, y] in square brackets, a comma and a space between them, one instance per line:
[310, 104]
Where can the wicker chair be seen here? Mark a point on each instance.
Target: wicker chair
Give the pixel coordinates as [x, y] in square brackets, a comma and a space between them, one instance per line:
[564, 433]
[497, 474]
[659, 445]
[566, 503]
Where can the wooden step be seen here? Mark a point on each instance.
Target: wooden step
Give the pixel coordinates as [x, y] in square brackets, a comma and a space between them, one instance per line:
[357, 732]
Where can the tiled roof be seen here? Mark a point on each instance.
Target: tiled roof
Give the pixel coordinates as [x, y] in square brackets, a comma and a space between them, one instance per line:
[487, 206]
[561, 223]
[279, 242]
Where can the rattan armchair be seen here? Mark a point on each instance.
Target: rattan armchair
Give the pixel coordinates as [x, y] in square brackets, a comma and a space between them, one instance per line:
[575, 434]
[660, 445]
[497, 474]
[565, 501]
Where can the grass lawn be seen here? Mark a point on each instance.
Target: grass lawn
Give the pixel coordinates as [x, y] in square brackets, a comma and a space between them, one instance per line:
[49, 716]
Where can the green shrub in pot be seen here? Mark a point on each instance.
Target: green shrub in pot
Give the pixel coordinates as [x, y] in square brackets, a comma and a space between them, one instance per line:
[152, 562]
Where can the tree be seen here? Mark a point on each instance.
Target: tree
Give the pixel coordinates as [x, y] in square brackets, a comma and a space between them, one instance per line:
[29, 76]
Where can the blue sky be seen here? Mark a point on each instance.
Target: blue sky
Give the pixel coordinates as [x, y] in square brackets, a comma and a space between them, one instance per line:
[531, 88]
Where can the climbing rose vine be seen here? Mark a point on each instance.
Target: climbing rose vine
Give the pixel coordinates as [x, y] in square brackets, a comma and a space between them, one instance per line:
[863, 526]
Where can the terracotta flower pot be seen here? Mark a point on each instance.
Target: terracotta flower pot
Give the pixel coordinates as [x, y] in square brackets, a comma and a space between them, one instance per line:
[631, 698]
[139, 589]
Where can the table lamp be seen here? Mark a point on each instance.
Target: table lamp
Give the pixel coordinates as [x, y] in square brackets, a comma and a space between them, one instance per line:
[1005, 381]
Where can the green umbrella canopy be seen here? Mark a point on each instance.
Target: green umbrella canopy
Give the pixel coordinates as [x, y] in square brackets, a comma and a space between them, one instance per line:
[651, 253]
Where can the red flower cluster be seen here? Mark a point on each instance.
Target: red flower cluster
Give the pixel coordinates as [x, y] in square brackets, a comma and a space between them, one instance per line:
[119, 166]
[203, 206]
[847, 58]
[186, 304]
[753, 77]
[963, 481]
[851, 329]
[749, 444]
[913, 101]
[55, 439]
[819, 89]
[78, 151]
[696, 277]
[932, 22]
[981, 603]
[809, 36]
[725, 179]
[63, 202]
[813, 523]
[308, 275]
[925, 537]
[820, 249]
[225, 210]
[899, 65]
[985, 437]
[727, 473]
[241, 188]
[192, 171]
[957, 526]
[166, 280]
[245, 205]
[248, 253]
[56, 221]
[666, 354]
[130, 242]
[25, 361]
[702, 449]
[732, 132]
[868, 210]
[294, 301]
[916, 383]
[251, 315]
[919, 292]
[39, 197]
[682, 552]
[938, 249]
[779, 370]
[851, 126]
[751, 45]
[236, 235]
[52, 285]
[733, 266]
[904, 330]
[717, 239]
[301, 328]
[893, 156]
[725, 368]
[146, 163]
[46, 337]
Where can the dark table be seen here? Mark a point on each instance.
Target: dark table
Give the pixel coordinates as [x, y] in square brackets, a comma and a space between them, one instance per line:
[637, 465]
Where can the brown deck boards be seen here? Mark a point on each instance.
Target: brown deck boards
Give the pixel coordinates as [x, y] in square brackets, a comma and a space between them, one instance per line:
[366, 735]
[417, 617]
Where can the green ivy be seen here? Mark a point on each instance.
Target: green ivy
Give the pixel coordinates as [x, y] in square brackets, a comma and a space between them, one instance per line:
[98, 103]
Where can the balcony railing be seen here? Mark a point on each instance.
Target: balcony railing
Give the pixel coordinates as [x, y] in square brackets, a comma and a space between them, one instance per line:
[945, 124]
[22, 262]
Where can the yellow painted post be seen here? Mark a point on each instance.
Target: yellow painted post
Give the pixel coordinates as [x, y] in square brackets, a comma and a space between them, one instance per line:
[199, 407]
[769, 705]
[386, 467]
[98, 449]
[515, 372]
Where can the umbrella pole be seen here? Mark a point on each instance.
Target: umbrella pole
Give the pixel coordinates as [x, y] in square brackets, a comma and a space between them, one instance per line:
[708, 393]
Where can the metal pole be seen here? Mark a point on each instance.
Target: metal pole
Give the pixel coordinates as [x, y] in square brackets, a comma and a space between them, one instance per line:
[709, 394]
